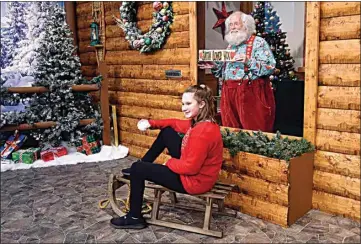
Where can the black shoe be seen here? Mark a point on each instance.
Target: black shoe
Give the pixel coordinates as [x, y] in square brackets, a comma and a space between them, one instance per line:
[128, 222]
[126, 171]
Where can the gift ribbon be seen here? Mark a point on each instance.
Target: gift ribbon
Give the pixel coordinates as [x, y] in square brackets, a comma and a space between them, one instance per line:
[8, 145]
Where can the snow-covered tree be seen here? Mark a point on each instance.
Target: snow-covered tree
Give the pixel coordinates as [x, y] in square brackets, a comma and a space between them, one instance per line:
[25, 56]
[15, 31]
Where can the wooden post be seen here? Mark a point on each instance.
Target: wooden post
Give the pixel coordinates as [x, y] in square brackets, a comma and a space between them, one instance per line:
[208, 214]
[201, 36]
[104, 103]
[70, 10]
[311, 70]
[246, 7]
[193, 42]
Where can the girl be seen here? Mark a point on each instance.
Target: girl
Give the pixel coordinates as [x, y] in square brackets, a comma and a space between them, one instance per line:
[196, 160]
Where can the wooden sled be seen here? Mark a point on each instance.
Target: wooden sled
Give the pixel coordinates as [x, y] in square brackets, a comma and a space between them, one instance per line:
[216, 195]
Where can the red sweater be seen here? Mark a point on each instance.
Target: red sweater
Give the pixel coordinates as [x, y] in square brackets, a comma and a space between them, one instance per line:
[201, 153]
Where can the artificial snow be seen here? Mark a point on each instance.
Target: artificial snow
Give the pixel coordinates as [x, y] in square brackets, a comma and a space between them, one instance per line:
[19, 81]
[73, 157]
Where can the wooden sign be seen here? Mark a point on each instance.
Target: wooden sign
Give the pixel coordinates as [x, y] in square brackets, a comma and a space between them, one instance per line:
[216, 55]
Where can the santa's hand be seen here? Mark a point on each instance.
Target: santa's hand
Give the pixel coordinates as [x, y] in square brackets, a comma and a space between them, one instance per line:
[240, 57]
[143, 124]
[206, 64]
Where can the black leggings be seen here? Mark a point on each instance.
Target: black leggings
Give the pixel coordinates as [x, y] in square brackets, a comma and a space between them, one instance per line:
[157, 173]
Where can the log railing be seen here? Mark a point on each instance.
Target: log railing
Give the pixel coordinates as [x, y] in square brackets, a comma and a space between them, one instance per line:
[104, 104]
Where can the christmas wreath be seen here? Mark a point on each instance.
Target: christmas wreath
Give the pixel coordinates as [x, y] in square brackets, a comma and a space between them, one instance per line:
[158, 32]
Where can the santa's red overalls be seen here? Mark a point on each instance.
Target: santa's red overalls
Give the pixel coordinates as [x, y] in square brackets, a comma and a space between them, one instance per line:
[248, 104]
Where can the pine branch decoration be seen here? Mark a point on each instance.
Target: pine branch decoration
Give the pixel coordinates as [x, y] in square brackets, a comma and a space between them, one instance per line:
[259, 143]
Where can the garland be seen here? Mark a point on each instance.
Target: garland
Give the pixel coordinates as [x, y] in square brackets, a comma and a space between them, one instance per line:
[158, 32]
[258, 143]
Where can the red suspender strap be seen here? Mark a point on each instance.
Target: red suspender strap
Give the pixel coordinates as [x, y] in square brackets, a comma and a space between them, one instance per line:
[249, 51]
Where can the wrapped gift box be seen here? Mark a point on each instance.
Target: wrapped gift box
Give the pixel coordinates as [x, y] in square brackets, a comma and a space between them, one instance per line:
[26, 156]
[51, 153]
[88, 145]
[12, 144]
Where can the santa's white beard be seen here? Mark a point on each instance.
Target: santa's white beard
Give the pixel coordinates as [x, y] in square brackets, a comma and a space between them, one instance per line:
[236, 37]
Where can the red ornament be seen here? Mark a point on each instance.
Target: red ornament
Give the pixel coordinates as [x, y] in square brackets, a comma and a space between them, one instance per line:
[221, 16]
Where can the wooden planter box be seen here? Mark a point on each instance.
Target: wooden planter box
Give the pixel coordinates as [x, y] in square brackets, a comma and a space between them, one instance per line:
[268, 188]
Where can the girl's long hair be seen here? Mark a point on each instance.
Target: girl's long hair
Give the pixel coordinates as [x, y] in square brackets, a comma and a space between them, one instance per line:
[203, 93]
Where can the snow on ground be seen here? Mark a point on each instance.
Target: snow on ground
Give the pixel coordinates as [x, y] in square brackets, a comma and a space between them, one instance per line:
[73, 157]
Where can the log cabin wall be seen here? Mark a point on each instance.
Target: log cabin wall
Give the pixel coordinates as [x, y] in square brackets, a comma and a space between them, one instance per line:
[137, 82]
[332, 107]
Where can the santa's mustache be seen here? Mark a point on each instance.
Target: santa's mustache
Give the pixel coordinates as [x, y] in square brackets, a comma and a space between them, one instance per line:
[236, 37]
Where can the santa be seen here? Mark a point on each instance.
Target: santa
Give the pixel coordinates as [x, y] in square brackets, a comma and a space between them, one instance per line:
[247, 99]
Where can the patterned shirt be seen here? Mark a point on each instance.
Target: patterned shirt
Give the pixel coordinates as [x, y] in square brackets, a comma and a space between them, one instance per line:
[261, 63]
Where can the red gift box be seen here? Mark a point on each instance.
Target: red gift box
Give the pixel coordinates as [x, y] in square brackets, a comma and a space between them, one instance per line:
[51, 153]
[59, 151]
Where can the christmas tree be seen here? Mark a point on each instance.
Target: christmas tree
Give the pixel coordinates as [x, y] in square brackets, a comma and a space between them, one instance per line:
[268, 27]
[57, 68]
[13, 32]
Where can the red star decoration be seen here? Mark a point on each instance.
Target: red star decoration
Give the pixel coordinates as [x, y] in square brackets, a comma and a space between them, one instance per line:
[221, 16]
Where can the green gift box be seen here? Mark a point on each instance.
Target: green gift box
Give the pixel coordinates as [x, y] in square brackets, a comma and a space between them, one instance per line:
[88, 145]
[26, 156]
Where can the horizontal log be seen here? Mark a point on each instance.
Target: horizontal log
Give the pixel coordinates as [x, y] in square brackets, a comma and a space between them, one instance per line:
[88, 58]
[84, 21]
[271, 169]
[150, 100]
[84, 8]
[340, 142]
[255, 207]
[338, 163]
[147, 113]
[340, 52]
[334, 9]
[166, 87]
[330, 203]
[148, 72]
[82, 2]
[84, 46]
[117, 44]
[340, 28]
[40, 125]
[130, 125]
[139, 152]
[136, 139]
[84, 35]
[89, 70]
[264, 190]
[144, 12]
[330, 75]
[180, 24]
[42, 89]
[339, 97]
[113, 97]
[175, 40]
[336, 184]
[339, 120]
[167, 56]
